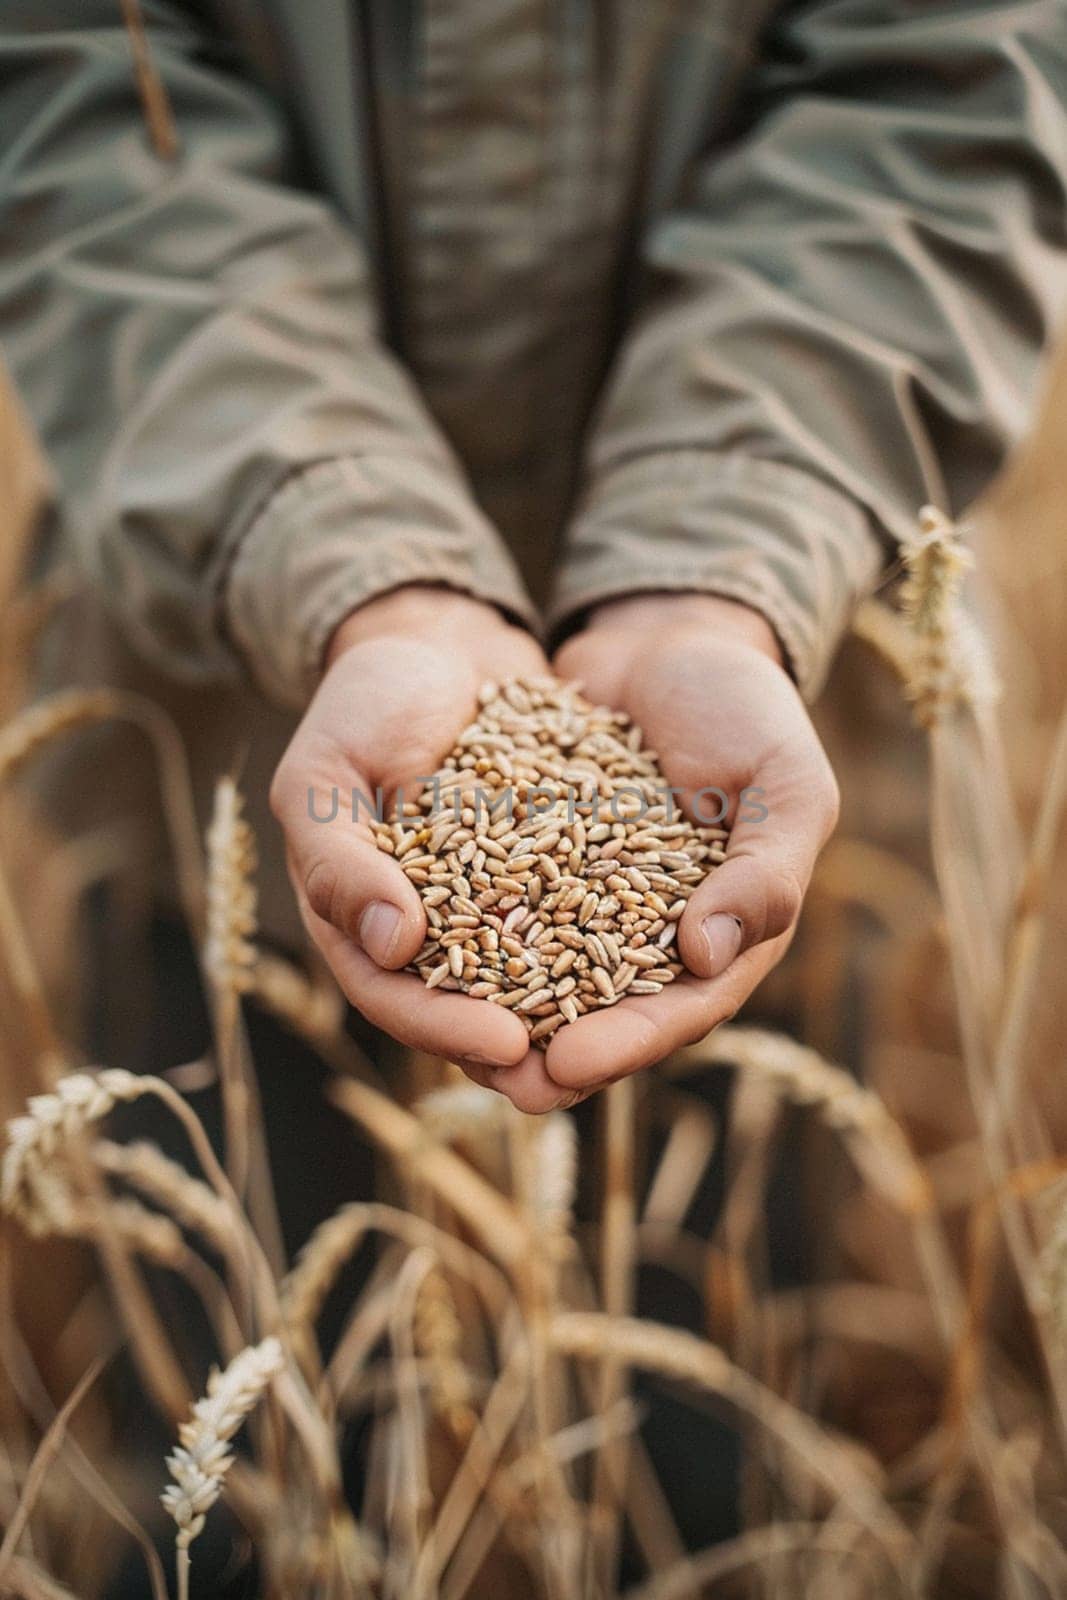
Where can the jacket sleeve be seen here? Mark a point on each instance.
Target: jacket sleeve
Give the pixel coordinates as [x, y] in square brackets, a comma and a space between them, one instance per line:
[241, 461]
[849, 309]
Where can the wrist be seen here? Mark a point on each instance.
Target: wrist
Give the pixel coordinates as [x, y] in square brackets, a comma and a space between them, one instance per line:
[424, 611]
[657, 613]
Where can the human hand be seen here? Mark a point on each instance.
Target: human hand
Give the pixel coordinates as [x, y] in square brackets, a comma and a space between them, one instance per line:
[703, 679]
[401, 682]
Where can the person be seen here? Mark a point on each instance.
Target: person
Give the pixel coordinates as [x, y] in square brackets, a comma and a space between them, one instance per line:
[382, 316]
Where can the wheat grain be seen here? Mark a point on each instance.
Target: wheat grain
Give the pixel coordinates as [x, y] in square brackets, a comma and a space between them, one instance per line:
[549, 902]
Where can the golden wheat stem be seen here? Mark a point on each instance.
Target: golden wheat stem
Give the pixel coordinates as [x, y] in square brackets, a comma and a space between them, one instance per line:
[229, 955]
[412, 1497]
[1028, 935]
[189, 1201]
[305, 1288]
[22, 1372]
[543, 1170]
[1007, 1143]
[472, 1478]
[29, 1582]
[493, 1219]
[696, 1573]
[71, 709]
[159, 118]
[875, 1139]
[674, 1353]
[45, 1048]
[617, 1267]
[45, 1454]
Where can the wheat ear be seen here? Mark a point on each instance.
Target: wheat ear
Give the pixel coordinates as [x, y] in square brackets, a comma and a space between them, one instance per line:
[29, 1186]
[438, 1335]
[201, 1460]
[935, 564]
[462, 1111]
[229, 949]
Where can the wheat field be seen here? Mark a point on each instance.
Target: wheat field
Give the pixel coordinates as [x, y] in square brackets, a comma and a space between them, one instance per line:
[900, 1403]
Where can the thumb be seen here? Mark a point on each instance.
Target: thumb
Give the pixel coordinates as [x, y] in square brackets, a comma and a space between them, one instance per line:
[757, 892]
[338, 870]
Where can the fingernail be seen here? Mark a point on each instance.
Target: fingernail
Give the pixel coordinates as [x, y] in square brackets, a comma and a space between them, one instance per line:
[722, 936]
[379, 929]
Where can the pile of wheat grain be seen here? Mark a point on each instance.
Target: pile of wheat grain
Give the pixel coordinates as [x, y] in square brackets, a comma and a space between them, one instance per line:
[552, 861]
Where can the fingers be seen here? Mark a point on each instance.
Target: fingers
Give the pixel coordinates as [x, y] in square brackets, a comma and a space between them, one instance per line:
[757, 893]
[433, 1020]
[337, 868]
[644, 1029]
[527, 1085]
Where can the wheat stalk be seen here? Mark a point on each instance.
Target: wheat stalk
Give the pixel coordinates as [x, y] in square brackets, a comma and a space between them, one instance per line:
[305, 1288]
[155, 101]
[28, 1581]
[199, 1463]
[618, 1242]
[800, 1074]
[229, 961]
[46, 1452]
[229, 957]
[554, 1178]
[71, 709]
[676, 1354]
[312, 1009]
[493, 1218]
[188, 1200]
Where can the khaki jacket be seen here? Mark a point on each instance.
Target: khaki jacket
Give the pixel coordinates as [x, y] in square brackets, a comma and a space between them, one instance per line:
[549, 300]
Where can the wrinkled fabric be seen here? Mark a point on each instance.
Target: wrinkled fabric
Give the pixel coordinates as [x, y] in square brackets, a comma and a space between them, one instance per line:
[673, 295]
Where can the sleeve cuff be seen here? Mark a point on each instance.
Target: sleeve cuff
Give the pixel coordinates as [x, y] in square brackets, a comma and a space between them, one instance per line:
[772, 536]
[340, 533]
